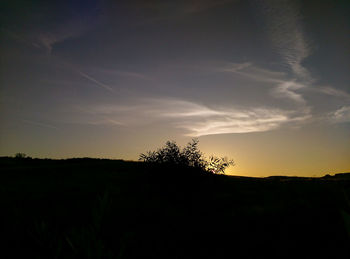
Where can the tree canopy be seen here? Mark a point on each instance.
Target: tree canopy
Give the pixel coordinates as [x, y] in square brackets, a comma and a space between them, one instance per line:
[189, 156]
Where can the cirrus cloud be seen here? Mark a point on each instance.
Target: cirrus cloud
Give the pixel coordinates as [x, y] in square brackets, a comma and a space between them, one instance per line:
[341, 115]
[197, 119]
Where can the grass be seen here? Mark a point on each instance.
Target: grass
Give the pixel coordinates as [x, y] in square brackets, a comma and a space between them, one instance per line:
[92, 208]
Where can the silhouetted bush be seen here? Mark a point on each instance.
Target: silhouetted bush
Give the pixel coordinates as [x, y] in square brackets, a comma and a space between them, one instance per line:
[218, 165]
[189, 156]
[20, 155]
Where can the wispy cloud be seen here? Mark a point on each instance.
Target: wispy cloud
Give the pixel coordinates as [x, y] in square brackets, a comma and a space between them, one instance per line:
[334, 92]
[341, 115]
[299, 91]
[45, 39]
[248, 70]
[288, 89]
[283, 86]
[40, 124]
[200, 120]
[95, 116]
[252, 120]
[49, 22]
[284, 25]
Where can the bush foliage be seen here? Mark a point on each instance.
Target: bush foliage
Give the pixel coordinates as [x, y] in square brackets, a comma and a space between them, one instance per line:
[189, 156]
[20, 155]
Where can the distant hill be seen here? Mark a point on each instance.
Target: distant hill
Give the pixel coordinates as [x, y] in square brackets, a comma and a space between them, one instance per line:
[338, 176]
[99, 208]
[28, 161]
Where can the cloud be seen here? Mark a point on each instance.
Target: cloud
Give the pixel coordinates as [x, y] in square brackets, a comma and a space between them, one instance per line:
[251, 71]
[61, 31]
[40, 124]
[341, 115]
[253, 120]
[46, 39]
[283, 86]
[287, 90]
[284, 26]
[334, 92]
[200, 120]
[300, 92]
[46, 23]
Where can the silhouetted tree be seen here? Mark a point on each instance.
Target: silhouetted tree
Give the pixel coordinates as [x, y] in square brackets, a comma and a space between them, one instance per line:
[171, 153]
[20, 155]
[218, 165]
[189, 156]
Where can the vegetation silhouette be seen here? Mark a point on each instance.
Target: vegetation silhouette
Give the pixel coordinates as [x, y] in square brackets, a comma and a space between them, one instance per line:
[190, 156]
[100, 208]
[20, 155]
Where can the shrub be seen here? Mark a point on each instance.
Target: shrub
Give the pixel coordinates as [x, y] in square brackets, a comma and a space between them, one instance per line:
[172, 154]
[20, 155]
[218, 165]
[189, 156]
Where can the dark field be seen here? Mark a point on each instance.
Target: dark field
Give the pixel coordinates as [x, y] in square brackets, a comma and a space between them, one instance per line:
[89, 208]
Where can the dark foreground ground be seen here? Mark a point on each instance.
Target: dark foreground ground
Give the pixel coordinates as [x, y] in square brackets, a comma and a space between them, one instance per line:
[85, 208]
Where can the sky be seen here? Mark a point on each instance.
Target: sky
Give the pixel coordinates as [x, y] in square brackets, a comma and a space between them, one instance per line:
[265, 83]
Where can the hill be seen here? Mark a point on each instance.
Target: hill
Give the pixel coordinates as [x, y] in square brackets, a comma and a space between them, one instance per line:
[98, 208]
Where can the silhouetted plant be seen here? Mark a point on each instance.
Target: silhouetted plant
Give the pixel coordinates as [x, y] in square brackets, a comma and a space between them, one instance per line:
[171, 153]
[218, 165]
[20, 155]
[189, 156]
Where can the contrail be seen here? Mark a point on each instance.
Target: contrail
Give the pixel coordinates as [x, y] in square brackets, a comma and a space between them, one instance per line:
[95, 81]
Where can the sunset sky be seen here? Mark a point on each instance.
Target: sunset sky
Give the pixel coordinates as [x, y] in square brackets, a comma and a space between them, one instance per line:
[266, 83]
